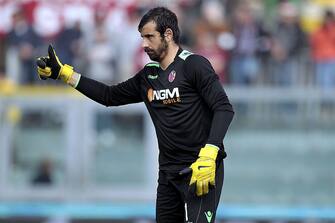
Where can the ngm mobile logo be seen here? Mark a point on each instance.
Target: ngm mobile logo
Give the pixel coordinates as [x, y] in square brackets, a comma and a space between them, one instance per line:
[166, 96]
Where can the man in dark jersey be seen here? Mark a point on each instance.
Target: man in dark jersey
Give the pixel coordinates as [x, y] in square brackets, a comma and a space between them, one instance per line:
[189, 109]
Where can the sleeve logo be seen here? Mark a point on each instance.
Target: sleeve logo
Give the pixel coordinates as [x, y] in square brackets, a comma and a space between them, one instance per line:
[153, 77]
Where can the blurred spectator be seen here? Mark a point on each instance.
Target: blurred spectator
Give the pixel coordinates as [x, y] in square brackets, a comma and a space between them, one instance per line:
[68, 43]
[47, 20]
[6, 11]
[7, 8]
[2, 56]
[251, 41]
[22, 41]
[188, 15]
[93, 44]
[101, 51]
[288, 41]
[206, 30]
[128, 51]
[207, 46]
[323, 51]
[43, 175]
[141, 59]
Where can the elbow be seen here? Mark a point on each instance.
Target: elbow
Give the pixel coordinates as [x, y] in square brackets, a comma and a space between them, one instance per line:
[223, 107]
[232, 111]
[232, 114]
[226, 110]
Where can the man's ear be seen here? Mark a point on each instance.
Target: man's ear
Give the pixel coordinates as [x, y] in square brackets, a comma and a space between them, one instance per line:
[168, 35]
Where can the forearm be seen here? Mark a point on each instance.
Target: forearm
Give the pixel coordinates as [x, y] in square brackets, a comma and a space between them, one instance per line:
[126, 92]
[93, 89]
[220, 123]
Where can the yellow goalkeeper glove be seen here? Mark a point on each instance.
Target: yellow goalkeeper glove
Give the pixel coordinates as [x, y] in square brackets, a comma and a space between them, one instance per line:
[203, 169]
[51, 67]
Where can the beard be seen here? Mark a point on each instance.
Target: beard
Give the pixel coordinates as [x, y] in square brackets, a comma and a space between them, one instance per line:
[158, 54]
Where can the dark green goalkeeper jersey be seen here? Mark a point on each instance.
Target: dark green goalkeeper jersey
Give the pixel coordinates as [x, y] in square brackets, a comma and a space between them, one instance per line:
[187, 104]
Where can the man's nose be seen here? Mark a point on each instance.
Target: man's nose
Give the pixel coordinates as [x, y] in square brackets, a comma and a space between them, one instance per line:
[145, 43]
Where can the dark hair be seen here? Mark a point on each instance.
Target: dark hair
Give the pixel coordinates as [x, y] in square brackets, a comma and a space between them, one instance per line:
[164, 19]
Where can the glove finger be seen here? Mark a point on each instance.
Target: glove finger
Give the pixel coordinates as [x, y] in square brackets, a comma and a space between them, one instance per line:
[193, 180]
[53, 56]
[42, 77]
[40, 63]
[40, 71]
[46, 60]
[44, 72]
[205, 187]
[51, 53]
[212, 181]
[199, 188]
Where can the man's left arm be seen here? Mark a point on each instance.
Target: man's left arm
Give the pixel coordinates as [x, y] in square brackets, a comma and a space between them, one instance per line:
[206, 82]
[209, 87]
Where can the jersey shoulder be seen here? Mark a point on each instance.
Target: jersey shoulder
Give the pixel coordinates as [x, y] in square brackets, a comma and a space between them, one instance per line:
[184, 54]
[192, 60]
[195, 65]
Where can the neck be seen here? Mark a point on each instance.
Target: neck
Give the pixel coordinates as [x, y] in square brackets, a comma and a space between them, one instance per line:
[170, 55]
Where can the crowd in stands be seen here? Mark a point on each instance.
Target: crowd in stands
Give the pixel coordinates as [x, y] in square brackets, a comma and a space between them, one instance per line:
[248, 42]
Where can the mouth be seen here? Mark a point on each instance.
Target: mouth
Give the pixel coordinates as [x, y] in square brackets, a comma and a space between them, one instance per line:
[148, 51]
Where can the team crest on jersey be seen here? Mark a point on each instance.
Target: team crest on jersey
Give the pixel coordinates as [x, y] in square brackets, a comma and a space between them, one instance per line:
[172, 76]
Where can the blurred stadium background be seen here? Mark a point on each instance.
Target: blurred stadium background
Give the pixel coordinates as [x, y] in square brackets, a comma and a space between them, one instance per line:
[66, 159]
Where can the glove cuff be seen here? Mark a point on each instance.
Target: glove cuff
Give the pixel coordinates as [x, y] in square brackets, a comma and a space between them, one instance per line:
[65, 72]
[209, 151]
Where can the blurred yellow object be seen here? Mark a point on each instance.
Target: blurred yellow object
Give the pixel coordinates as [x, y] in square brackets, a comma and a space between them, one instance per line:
[310, 25]
[7, 87]
[47, 90]
[327, 3]
[311, 16]
[13, 114]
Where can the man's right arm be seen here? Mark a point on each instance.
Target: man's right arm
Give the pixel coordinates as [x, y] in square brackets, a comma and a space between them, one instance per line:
[123, 93]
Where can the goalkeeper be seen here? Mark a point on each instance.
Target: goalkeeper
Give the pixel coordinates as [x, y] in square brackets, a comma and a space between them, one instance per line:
[189, 109]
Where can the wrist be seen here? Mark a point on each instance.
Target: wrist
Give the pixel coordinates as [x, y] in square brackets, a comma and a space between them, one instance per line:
[65, 73]
[74, 79]
[210, 151]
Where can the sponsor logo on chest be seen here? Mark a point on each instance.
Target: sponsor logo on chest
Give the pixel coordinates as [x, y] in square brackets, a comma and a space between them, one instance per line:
[166, 96]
